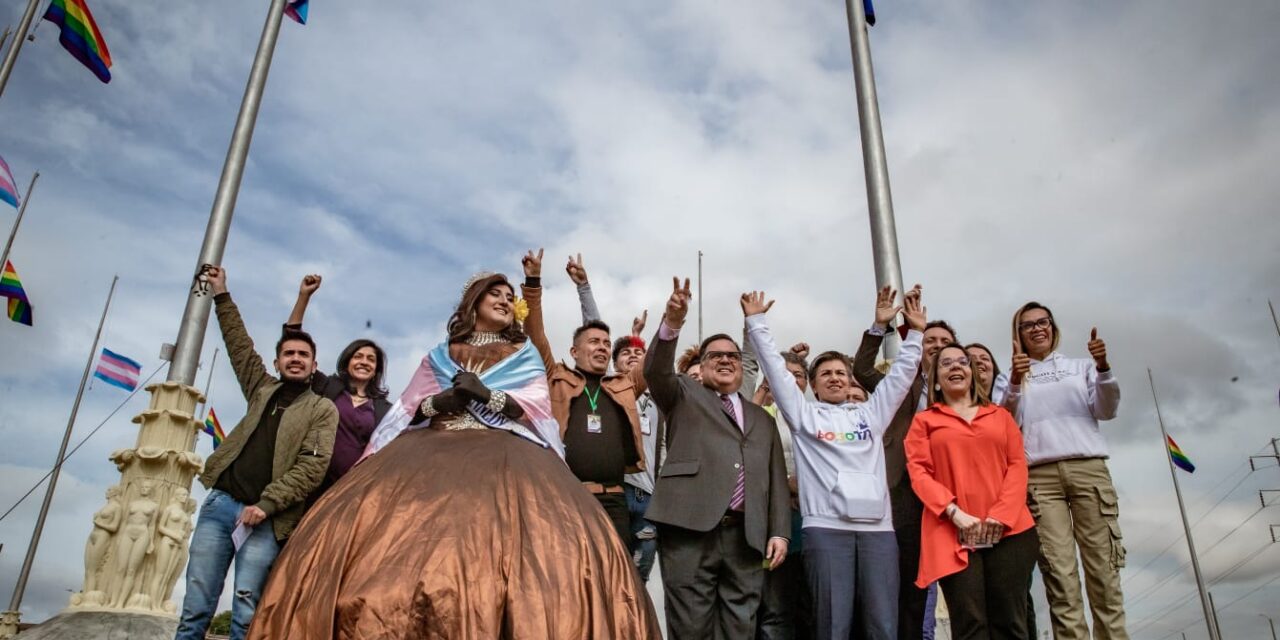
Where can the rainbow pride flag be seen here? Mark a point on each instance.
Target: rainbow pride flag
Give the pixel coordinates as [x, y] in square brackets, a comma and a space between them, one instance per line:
[1179, 458]
[80, 35]
[11, 288]
[214, 428]
[8, 187]
[297, 9]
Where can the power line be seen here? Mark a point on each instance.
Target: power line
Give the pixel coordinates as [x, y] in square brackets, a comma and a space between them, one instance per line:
[81, 443]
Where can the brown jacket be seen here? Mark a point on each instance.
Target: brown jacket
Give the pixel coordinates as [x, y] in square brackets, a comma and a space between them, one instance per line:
[304, 441]
[864, 370]
[566, 383]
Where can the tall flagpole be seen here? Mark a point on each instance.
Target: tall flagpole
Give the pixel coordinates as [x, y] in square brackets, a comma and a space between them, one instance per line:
[1209, 618]
[699, 296]
[11, 56]
[208, 383]
[884, 234]
[16, 601]
[4, 258]
[195, 318]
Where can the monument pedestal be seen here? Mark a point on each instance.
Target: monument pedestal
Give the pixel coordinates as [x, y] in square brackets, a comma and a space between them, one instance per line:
[104, 625]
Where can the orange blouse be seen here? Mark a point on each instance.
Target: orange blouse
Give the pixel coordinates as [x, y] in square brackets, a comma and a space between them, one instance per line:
[980, 466]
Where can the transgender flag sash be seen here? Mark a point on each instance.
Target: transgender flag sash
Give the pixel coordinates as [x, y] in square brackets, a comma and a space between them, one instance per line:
[521, 375]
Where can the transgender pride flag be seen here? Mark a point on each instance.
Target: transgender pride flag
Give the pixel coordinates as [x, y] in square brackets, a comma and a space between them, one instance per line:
[115, 369]
[8, 189]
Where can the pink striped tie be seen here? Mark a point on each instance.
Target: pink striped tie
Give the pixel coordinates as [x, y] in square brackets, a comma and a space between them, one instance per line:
[740, 488]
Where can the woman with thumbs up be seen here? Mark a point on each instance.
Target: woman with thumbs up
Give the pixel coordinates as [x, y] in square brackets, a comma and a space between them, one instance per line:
[1059, 401]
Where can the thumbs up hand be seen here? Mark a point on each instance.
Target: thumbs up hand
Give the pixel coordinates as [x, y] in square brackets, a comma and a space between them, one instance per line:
[1098, 349]
[1021, 364]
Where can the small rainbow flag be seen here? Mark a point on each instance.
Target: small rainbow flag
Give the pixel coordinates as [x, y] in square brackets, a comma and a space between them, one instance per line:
[214, 428]
[80, 35]
[1179, 458]
[297, 9]
[11, 287]
[117, 370]
[8, 188]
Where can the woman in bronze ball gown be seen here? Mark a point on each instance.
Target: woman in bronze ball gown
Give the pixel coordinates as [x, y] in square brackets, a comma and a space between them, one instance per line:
[463, 520]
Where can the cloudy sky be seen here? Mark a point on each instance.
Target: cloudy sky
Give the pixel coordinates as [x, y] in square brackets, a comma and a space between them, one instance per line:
[1107, 159]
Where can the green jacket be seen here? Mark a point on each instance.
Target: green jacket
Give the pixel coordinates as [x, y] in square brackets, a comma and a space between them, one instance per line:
[304, 441]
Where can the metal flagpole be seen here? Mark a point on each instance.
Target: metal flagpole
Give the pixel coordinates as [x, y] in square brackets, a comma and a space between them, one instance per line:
[1209, 618]
[1274, 320]
[195, 318]
[699, 297]
[4, 258]
[884, 234]
[16, 601]
[4, 37]
[207, 384]
[11, 56]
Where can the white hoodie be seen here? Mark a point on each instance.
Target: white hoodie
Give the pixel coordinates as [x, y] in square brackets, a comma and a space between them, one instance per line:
[839, 449]
[1059, 404]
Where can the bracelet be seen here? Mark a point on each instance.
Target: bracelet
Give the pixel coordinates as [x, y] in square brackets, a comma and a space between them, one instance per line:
[427, 408]
[950, 511]
[497, 401]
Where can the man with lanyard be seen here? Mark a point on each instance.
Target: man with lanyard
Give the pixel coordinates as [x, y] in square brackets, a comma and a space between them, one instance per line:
[599, 423]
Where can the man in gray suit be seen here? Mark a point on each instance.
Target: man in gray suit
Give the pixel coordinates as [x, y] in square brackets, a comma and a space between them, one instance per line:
[721, 498]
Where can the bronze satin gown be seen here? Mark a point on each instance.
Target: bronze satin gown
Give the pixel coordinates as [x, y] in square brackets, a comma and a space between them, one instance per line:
[468, 534]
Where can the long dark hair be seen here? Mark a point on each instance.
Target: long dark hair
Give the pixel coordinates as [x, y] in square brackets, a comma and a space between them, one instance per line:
[463, 321]
[376, 388]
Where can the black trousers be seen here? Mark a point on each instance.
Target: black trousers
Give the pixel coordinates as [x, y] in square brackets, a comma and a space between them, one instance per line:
[786, 610]
[615, 506]
[907, 512]
[712, 582]
[987, 600]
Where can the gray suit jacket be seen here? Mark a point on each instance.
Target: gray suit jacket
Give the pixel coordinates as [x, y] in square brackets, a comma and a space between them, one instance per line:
[705, 450]
[864, 370]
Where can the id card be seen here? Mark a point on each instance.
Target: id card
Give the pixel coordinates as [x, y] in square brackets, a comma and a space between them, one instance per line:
[593, 423]
[644, 424]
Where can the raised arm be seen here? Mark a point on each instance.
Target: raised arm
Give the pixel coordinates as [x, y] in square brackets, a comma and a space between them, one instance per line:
[586, 299]
[249, 368]
[864, 360]
[310, 284]
[893, 389]
[660, 360]
[795, 409]
[750, 361]
[532, 292]
[1104, 389]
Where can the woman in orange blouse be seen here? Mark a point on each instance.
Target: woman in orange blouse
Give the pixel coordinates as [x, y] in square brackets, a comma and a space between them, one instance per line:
[977, 537]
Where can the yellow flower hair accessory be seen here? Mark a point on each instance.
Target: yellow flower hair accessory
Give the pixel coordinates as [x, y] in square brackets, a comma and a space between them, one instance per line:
[521, 309]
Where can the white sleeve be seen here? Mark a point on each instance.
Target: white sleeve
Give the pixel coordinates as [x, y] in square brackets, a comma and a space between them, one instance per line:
[889, 394]
[791, 401]
[1104, 392]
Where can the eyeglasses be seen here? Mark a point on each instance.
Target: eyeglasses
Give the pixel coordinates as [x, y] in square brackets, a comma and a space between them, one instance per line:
[731, 356]
[1042, 323]
[947, 363]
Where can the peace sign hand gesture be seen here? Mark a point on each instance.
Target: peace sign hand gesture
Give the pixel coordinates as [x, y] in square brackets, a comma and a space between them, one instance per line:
[532, 264]
[577, 272]
[678, 304]
[1098, 349]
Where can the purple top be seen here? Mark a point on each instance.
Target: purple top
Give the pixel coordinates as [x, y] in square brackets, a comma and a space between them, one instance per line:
[355, 425]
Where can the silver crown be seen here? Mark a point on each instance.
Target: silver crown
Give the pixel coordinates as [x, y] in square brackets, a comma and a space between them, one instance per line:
[476, 278]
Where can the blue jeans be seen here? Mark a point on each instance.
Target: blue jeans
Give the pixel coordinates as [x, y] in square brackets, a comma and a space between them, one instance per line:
[852, 571]
[211, 555]
[644, 535]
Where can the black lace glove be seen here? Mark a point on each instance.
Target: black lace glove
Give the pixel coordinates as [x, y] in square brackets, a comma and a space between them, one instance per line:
[469, 386]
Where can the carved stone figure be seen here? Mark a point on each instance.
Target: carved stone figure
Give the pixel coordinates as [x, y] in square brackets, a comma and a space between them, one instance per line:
[133, 543]
[180, 562]
[105, 524]
[172, 535]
